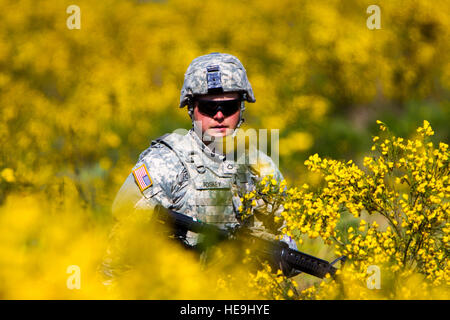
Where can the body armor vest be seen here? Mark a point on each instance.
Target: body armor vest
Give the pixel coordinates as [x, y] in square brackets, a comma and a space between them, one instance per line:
[214, 183]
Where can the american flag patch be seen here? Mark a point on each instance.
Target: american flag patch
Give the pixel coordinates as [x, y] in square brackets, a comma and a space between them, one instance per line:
[142, 177]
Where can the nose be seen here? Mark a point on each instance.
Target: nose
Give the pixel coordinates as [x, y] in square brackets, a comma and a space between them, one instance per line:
[219, 116]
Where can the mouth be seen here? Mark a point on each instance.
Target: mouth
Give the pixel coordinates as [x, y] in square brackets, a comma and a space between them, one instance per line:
[218, 130]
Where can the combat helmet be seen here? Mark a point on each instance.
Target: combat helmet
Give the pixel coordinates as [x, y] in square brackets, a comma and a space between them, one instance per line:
[214, 73]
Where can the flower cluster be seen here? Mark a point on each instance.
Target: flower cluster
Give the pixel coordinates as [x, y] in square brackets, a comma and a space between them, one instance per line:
[273, 285]
[404, 190]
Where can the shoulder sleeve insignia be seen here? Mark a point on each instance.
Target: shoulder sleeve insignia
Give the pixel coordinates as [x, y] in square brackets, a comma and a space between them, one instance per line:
[142, 177]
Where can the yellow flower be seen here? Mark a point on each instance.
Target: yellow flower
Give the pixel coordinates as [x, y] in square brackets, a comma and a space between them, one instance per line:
[8, 175]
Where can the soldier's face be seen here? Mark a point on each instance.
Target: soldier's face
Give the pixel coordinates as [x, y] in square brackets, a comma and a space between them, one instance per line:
[218, 119]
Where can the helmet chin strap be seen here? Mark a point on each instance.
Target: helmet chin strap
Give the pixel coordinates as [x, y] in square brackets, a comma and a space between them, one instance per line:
[241, 119]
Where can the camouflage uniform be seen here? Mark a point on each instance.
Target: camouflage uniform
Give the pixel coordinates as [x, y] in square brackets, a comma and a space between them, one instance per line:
[190, 178]
[185, 175]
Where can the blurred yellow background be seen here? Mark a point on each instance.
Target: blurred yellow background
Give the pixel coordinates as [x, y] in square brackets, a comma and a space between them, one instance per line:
[78, 106]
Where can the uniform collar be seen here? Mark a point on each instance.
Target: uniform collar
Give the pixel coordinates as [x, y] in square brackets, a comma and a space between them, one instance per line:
[205, 149]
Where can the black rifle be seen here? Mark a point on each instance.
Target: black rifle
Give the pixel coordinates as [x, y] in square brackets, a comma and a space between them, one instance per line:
[277, 253]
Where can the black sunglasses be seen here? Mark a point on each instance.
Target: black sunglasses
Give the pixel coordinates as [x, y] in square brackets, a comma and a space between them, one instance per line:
[210, 108]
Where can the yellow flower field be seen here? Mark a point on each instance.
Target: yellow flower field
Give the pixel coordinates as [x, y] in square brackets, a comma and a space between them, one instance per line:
[362, 115]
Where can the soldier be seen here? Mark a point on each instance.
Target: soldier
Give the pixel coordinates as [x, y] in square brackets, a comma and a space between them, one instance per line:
[191, 173]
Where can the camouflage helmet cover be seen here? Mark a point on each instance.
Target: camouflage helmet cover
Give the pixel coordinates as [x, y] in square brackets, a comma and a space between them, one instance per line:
[230, 75]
